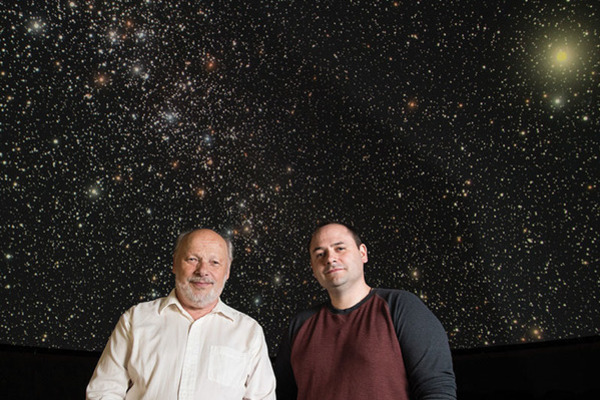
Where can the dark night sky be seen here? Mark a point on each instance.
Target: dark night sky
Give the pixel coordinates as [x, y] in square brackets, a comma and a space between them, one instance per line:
[461, 139]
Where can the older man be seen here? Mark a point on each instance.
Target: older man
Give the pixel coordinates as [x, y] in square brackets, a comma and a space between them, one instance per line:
[188, 345]
[365, 343]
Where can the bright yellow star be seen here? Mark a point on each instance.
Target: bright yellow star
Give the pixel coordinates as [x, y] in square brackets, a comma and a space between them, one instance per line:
[561, 56]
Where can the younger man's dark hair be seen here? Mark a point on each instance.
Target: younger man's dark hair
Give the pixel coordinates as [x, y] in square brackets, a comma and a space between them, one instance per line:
[352, 230]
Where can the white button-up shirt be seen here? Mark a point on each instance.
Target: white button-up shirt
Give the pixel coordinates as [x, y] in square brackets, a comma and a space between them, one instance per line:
[157, 351]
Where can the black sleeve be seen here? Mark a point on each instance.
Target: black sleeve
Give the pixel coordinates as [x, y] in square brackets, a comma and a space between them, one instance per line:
[286, 382]
[424, 346]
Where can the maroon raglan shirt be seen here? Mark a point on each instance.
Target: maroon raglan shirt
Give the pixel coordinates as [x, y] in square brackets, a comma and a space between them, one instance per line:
[388, 346]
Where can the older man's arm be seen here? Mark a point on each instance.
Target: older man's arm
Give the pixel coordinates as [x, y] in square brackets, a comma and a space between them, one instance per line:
[111, 379]
[260, 384]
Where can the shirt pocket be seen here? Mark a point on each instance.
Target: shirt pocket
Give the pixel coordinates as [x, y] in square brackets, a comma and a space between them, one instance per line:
[227, 366]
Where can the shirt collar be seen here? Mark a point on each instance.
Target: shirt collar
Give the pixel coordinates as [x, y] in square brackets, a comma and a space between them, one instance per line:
[221, 308]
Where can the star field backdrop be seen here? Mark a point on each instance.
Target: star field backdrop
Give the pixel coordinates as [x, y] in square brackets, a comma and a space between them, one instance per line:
[460, 138]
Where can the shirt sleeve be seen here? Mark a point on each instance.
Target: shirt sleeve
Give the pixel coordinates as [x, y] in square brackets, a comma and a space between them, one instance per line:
[425, 349]
[260, 384]
[111, 379]
[286, 382]
[287, 389]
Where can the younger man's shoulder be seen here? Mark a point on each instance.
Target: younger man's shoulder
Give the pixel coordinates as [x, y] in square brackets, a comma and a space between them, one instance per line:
[393, 293]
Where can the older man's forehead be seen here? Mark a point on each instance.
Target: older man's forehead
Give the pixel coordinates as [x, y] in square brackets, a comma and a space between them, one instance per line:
[201, 242]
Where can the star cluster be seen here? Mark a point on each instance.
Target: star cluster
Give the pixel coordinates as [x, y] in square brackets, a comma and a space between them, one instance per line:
[461, 139]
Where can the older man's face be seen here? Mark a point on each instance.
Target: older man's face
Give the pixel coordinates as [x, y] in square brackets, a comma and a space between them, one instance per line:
[201, 267]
